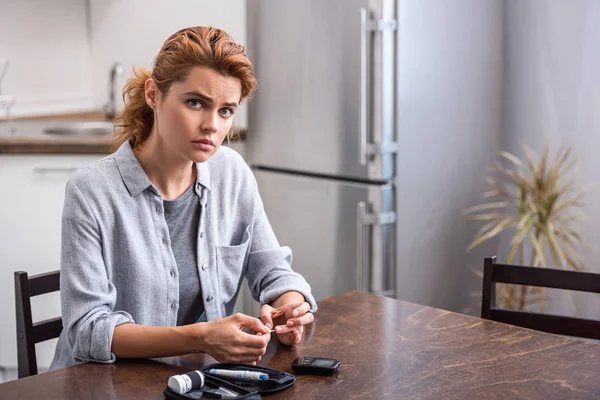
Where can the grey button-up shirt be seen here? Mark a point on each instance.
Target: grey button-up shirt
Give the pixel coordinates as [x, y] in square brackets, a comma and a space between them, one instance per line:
[117, 265]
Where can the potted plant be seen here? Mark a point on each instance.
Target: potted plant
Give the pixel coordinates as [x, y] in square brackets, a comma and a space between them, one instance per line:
[538, 203]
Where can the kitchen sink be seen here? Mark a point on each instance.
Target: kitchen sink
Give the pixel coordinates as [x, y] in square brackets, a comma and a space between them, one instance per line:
[86, 128]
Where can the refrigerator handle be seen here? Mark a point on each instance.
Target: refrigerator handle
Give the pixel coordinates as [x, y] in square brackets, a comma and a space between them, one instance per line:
[362, 135]
[360, 247]
[365, 274]
[365, 148]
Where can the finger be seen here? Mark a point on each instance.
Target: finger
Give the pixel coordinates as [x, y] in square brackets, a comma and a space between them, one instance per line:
[246, 351]
[244, 360]
[269, 337]
[290, 308]
[255, 352]
[278, 312]
[297, 335]
[301, 310]
[303, 320]
[253, 323]
[254, 341]
[286, 339]
[291, 338]
[282, 329]
[266, 316]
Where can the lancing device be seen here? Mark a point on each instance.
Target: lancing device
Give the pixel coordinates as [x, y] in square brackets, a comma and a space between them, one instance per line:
[185, 383]
[240, 374]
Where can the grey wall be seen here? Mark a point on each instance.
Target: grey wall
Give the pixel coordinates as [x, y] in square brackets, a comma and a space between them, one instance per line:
[450, 117]
[477, 77]
[552, 87]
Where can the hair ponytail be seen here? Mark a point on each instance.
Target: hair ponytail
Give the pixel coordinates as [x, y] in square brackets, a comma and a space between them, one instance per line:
[135, 121]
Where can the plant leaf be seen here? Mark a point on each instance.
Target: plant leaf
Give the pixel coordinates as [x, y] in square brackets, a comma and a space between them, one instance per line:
[502, 225]
[538, 246]
[487, 206]
[514, 159]
[485, 228]
[486, 217]
[523, 228]
[557, 253]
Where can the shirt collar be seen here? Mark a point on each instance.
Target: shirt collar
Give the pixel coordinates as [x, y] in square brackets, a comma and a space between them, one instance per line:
[203, 174]
[136, 179]
[131, 171]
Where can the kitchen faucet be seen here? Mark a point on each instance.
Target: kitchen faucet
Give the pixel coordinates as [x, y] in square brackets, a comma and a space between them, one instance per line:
[6, 101]
[110, 108]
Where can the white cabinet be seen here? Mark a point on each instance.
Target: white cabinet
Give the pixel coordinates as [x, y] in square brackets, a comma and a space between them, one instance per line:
[31, 200]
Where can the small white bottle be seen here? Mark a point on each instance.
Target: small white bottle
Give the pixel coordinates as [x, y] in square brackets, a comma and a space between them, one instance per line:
[185, 383]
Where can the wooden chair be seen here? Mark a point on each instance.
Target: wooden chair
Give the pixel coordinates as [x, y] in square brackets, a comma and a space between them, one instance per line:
[531, 276]
[29, 333]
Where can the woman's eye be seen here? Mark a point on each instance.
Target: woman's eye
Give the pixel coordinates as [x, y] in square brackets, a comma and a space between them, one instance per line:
[226, 112]
[195, 103]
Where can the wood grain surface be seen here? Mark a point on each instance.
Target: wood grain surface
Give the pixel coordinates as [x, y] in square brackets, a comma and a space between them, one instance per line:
[389, 349]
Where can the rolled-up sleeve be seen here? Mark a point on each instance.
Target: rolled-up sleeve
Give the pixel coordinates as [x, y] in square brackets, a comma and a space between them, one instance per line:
[87, 295]
[269, 264]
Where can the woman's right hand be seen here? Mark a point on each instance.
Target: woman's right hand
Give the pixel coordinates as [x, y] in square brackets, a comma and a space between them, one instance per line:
[225, 340]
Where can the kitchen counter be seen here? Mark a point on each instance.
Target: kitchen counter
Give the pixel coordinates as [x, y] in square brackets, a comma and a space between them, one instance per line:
[79, 145]
[26, 136]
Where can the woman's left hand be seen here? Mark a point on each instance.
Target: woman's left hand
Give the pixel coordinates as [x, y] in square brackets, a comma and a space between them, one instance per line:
[288, 320]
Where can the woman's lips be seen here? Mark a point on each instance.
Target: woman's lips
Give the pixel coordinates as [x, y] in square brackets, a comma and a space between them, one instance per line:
[204, 144]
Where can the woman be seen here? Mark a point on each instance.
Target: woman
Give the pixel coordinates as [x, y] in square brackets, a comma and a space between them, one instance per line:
[158, 236]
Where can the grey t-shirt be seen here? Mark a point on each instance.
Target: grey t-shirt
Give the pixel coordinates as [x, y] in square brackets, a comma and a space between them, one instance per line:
[182, 216]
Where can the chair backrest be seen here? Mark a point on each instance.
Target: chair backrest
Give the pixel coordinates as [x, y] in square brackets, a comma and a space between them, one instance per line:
[542, 277]
[29, 333]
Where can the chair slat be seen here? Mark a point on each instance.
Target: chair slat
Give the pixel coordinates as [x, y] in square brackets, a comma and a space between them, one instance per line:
[47, 329]
[44, 283]
[559, 325]
[546, 277]
[541, 277]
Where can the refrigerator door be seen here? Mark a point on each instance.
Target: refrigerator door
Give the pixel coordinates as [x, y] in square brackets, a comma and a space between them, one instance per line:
[341, 233]
[325, 97]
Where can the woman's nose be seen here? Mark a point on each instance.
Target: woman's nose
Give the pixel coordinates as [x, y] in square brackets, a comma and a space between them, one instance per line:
[210, 122]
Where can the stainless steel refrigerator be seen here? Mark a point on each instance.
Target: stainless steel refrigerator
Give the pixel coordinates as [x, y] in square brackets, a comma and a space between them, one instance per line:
[321, 136]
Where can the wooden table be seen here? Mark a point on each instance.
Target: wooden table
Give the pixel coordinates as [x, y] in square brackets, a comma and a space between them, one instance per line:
[389, 349]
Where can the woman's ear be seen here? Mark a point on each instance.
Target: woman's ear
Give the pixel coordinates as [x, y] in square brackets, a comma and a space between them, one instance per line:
[151, 92]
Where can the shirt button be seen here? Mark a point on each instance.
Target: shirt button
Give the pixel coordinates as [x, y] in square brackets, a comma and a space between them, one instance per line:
[204, 267]
[164, 240]
[173, 306]
[206, 205]
[209, 298]
[201, 234]
[172, 273]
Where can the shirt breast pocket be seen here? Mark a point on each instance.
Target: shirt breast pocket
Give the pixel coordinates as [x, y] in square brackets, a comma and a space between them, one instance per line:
[230, 264]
